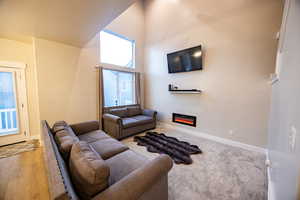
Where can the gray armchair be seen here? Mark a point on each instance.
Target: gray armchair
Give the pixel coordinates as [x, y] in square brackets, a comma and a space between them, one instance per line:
[121, 122]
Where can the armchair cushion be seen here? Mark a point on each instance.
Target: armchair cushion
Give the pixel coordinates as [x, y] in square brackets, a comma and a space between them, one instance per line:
[89, 172]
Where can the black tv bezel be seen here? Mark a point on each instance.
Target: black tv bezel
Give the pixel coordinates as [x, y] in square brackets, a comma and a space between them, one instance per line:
[195, 47]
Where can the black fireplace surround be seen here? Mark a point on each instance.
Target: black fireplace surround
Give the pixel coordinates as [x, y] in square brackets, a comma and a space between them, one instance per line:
[184, 119]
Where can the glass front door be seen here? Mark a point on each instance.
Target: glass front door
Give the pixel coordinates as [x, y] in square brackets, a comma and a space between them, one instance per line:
[9, 123]
[13, 106]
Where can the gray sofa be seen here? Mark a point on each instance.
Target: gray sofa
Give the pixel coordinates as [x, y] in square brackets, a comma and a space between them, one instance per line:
[123, 121]
[83, 162]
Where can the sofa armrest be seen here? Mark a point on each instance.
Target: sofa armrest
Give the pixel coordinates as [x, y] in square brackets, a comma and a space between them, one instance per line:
[135, 184]
[112, 118]
[150, 113]
[85, 127]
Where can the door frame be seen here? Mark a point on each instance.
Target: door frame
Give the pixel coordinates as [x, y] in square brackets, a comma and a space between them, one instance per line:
[21, 95]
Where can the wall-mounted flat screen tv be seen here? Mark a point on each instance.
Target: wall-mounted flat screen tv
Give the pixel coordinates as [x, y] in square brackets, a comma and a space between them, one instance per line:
[185, 60]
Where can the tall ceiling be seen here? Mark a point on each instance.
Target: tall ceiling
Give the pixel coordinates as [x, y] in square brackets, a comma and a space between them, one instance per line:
[72, 22]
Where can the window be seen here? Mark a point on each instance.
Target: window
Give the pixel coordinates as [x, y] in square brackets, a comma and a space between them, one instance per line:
[116, 50]
[118, 88]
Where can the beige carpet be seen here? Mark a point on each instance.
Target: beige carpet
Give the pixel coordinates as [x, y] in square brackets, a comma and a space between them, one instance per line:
[222, 172]
[14, 149]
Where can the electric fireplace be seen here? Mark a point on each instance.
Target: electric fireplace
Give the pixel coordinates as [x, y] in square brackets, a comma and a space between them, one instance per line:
[184, 119]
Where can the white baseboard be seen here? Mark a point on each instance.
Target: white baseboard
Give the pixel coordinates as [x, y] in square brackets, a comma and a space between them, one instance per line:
[34, 137]
[211, 137]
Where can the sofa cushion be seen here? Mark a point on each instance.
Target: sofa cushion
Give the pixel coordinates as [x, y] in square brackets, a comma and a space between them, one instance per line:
[85, 127]
[129, 122]
[120, 112]
[60, 161]
[108, 147]
[89, 172]
[93, 136]
[133, 111]
[58, 126]
[65, 139]
[122, 164]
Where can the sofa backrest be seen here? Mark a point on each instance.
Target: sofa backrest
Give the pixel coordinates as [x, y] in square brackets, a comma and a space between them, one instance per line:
[124, 111]
[60, 185]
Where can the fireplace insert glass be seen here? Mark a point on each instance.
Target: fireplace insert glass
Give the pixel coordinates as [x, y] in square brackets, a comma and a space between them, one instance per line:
[184, 119]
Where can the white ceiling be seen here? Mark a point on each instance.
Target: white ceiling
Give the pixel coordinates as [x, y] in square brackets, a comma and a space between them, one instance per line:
[72, 22]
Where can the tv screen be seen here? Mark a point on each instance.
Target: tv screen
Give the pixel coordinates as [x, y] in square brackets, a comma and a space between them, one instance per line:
[185, 60]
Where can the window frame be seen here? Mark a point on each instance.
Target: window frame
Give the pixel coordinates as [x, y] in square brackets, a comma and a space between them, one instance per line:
[119, 67]
[133, 88]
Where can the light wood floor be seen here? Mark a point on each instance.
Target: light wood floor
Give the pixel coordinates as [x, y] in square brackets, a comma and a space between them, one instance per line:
[23, 177]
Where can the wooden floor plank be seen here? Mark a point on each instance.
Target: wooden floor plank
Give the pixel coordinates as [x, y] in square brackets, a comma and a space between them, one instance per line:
[23, 177]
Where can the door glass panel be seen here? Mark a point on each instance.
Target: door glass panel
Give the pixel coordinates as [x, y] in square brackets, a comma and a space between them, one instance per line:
[8, 105]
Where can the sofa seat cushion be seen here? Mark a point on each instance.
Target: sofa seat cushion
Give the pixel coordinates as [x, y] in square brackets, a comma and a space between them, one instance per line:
[89, 172]
[124, 163]
[136, 121]
[129, 122]
[143, 119]
[108, 147]
[93, 136]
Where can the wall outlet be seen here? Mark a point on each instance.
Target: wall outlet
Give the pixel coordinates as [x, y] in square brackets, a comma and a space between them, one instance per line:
[292, 138]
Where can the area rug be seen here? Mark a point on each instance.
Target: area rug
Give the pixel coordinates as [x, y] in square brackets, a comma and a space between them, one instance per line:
[14, 149]
[179, 151]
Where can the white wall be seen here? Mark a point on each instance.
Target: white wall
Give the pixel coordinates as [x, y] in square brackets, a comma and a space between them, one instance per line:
[285, 113]
[67, 78]
[131, 25]
[62, 81]
[67, 81]
[238, 39]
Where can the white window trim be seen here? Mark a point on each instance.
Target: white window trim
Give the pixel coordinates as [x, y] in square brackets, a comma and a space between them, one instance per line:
[281, 53]
[118, 67]
[10, 64]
